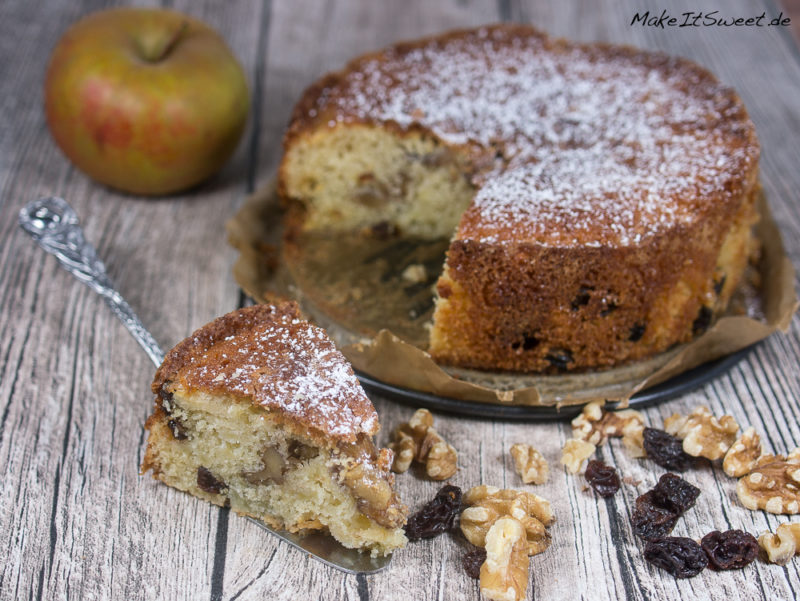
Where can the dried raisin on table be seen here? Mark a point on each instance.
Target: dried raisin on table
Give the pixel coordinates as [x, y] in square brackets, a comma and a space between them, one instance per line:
[437, 516]
[729, 550]
[473, 561]
[682, 557]
[666, 450]
[650, 520]
[674, 493]
[603, 478]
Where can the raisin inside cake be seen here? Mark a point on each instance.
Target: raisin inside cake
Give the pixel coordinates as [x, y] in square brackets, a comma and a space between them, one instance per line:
[258, 410]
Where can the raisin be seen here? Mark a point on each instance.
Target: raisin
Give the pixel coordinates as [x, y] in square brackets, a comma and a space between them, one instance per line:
[529, 342]
[560, 359]
[674, 493]
[729, 550]
[301, 451]
[703, 320]
[666, 450]
[165, 398]
[603, 478]
[208, 482]
[682, 557]
[436, 516]
[609, 309]
[383, 230]
[473, 561]
[582, 298]
[178, 431]
[637, 331]
[650, 520]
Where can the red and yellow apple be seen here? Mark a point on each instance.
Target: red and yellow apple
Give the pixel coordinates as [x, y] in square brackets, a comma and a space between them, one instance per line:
[148, 101]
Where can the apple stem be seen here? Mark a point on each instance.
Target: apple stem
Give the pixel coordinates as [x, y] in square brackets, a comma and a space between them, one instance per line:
[172, 42]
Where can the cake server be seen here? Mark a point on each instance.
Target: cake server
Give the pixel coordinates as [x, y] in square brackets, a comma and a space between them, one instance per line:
[54, 225]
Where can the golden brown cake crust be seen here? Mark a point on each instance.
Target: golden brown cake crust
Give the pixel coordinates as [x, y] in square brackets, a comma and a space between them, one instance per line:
[271, 357]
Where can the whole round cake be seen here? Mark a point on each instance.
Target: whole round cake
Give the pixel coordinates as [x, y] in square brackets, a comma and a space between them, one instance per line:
[599, 199]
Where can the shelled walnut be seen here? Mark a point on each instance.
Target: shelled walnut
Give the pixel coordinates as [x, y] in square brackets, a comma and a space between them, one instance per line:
[783, 545]
[596, 425]
[418, 441]
[575, 452]
[773, 485]
[504, 574]
[487, 504]
[743, 455]
[702, 433]
[530, 464]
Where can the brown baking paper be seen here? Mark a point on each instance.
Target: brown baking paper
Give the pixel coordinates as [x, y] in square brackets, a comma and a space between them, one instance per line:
[375, 299]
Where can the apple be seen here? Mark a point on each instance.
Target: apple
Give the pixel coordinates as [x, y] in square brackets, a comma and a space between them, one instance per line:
[148, 101]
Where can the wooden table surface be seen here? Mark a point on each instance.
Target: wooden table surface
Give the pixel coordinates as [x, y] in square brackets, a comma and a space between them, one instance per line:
[77, 521]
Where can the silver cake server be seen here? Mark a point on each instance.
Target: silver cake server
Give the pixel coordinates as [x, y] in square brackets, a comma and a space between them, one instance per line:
[54, 225]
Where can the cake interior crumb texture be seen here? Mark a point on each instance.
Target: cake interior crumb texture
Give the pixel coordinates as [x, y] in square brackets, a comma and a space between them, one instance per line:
[234, 454]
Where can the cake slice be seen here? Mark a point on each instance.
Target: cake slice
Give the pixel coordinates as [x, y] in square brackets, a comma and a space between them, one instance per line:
[259, 411]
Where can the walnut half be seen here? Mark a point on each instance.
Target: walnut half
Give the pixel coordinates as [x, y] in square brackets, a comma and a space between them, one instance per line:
[530, 464]
[703, 434]
[774, 484]
[504, 574]
[487, 504]
[783, 545]
[418, 441]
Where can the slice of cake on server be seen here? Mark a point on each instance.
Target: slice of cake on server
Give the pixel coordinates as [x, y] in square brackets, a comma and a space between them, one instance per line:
[259, 411]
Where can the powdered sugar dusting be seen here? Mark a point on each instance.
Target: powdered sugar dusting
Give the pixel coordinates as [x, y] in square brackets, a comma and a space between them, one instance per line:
[290, 366]
[586, 144]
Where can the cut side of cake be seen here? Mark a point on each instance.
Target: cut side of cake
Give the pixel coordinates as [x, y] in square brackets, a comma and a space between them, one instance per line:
[599, 199]
[259, 411]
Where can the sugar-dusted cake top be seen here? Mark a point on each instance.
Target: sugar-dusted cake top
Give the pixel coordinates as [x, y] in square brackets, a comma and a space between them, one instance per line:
[571, 144]
[267, 354]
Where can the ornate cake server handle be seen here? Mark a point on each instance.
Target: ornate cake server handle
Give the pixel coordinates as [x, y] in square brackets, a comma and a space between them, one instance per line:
[54, 225]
